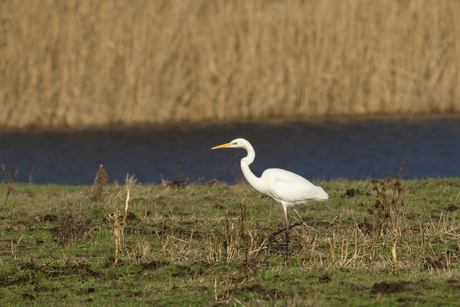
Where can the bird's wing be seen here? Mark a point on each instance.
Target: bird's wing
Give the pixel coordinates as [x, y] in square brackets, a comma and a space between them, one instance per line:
[290, 187]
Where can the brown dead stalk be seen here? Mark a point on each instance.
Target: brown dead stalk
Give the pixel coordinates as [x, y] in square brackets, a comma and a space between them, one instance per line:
[119, 220]
[97, 191]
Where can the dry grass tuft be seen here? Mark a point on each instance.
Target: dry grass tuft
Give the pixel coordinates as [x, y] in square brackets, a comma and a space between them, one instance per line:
[387, 208]
[9, 177]
[119, 221]
[71, 229]
[73, 63]
[176, 183]
[101, 179]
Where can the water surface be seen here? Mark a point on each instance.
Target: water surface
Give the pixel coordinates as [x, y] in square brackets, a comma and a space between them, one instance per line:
[328, 149]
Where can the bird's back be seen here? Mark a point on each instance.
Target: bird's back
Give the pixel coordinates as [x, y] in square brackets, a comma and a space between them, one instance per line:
[290, 188]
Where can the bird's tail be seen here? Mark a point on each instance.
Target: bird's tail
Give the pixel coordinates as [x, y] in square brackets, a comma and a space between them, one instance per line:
[322, 195]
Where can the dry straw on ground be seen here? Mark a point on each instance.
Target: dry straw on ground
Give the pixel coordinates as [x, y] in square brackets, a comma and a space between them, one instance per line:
[80, 63]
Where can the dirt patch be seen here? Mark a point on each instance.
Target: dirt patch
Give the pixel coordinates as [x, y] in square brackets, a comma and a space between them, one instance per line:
[83, 270]
[88, 272]
[48, 271]
[326, 278]
[20, 280]
[365, 227]
[26, 266]
[50, 218]
[437, 264]
[387, 287]
[154, 265]
[453, 284]
[351, 193]
[452, 208]
[28, 296]
[132, 217]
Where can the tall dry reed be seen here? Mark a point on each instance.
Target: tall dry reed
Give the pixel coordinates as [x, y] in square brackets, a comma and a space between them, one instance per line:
[80, 63]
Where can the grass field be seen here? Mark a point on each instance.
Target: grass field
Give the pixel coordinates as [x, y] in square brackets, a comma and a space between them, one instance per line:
[107, 62]
[206, 245]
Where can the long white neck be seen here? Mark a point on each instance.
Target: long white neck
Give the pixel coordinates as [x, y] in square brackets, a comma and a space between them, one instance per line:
[256, 182]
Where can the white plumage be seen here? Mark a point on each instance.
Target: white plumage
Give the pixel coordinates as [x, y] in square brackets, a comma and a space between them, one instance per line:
[290, 188]
[286, 188]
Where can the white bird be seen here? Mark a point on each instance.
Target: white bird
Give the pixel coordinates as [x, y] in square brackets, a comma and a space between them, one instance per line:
[286, 188]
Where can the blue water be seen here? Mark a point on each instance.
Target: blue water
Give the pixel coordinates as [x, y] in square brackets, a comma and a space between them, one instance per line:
[329, 149]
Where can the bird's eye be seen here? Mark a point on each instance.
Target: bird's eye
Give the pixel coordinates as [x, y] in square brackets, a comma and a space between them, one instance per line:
[234, 143]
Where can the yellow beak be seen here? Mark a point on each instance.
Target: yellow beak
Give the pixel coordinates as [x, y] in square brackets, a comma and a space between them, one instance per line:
[222, 146]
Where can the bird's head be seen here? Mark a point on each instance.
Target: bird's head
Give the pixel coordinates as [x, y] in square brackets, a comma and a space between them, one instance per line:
[236, 143]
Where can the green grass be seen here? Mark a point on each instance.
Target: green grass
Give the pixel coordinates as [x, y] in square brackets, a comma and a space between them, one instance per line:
[188, 246]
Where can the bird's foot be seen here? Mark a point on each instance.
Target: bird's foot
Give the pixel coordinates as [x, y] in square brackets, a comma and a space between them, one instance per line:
[274, 244]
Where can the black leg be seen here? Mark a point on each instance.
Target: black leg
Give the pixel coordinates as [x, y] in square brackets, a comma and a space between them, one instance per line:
[287, 239]
[272, 237]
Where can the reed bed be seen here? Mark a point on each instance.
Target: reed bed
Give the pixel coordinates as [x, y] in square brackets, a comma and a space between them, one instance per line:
[104, 62]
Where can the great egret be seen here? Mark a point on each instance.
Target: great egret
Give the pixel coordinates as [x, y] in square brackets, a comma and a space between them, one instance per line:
[286, 188]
